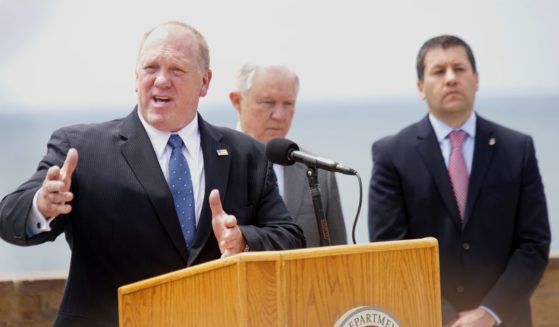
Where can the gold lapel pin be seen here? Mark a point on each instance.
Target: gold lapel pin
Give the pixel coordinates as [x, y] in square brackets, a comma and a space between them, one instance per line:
[222, 152]
[492, 141]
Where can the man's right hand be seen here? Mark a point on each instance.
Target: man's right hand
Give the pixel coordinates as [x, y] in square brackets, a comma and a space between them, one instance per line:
[55, 193]
[227, 233]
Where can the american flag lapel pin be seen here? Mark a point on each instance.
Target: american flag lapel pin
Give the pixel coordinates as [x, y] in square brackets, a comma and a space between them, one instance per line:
[222, 152]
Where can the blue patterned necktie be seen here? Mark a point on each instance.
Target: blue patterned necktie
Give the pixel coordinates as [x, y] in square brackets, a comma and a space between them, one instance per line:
[180, 184]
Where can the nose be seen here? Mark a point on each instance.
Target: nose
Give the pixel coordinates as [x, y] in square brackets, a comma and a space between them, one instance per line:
[450, 76]
[279, 112]
[162, 80]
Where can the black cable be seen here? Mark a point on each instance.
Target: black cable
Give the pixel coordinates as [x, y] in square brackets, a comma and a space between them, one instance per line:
[358, 207]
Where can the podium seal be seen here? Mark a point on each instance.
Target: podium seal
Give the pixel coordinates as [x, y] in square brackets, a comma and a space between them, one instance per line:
[367, 316]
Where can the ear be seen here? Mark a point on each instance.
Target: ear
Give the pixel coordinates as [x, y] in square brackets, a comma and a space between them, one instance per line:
[476, 76]
[206, 78]
[136, 80]
[420, 89]
[235, 98]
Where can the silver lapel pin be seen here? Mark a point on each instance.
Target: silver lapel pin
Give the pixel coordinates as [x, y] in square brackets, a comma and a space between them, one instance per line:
[222, 152]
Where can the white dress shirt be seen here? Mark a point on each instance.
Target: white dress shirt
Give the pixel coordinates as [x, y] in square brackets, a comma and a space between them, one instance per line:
[190, 135]
[279, 170]
[442, 130]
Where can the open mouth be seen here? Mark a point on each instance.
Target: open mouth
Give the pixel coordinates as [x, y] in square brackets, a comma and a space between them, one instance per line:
[160, 99]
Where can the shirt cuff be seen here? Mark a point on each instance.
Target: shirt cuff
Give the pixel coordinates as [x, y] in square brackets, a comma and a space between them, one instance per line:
[36, 223]
[493, 314]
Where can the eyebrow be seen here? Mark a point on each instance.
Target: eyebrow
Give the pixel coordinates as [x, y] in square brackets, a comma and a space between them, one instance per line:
[453, 64]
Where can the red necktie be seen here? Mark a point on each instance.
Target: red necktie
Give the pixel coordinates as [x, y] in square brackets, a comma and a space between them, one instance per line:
[457, 170]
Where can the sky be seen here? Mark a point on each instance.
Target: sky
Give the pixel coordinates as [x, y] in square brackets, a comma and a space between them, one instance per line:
[64, 54]
[71, 55]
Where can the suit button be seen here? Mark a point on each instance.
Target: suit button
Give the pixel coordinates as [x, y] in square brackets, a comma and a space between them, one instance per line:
[460, 289]
[466, 246]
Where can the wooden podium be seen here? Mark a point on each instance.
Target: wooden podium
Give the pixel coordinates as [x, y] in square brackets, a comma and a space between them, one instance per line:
[306, 287]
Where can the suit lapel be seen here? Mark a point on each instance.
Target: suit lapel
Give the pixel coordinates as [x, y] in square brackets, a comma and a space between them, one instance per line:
[430, 152]
[294, 188]
[138, 152]
[216, 172]
[485, 144]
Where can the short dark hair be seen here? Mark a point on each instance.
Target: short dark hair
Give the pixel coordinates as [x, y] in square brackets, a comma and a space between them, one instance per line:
[445, 42]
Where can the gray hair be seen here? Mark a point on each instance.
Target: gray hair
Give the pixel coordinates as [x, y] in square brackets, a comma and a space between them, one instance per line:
[246, 75]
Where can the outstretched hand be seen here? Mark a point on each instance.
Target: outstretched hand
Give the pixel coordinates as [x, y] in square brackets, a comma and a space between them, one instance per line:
[54, 194]
[228, 235]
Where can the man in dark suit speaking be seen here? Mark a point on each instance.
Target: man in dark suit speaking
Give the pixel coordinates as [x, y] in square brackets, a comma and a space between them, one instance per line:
[472, 184]
[156, 191]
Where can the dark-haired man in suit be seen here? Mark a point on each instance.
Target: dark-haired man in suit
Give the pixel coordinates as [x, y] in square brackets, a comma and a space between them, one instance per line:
[472, 184]
[156, 191]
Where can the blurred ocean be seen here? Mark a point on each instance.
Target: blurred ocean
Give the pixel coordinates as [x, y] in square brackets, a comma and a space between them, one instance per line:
[343, 131]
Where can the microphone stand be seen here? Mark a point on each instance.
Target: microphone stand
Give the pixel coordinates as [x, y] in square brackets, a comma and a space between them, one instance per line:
[323, 232]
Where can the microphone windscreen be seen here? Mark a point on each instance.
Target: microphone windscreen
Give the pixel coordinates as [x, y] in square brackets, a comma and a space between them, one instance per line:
[279, 149]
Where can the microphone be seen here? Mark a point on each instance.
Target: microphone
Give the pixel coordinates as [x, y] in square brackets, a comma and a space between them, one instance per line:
[285, 152]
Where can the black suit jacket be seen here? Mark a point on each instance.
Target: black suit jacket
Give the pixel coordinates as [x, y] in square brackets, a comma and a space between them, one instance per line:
[123, 226]
[497, 256]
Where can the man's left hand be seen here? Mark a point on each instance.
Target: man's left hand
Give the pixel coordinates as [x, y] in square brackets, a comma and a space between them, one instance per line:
[227, 233]
[477, 317]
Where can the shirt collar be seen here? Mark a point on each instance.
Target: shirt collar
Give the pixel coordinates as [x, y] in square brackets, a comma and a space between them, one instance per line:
[442, 130]
[190, 134]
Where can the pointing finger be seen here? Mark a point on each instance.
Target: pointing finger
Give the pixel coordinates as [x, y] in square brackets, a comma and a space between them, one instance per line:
[70, 164]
